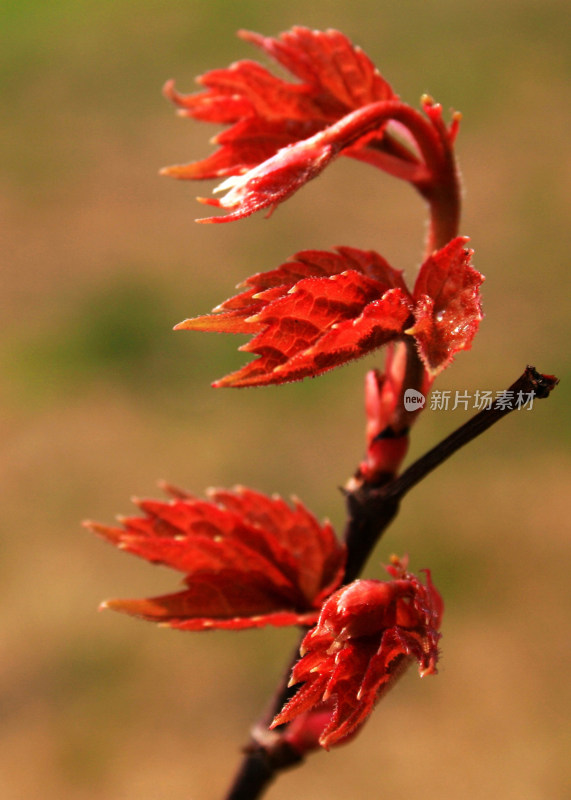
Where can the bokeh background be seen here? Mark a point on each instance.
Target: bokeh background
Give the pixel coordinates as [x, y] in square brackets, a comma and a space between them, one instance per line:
[100, 257]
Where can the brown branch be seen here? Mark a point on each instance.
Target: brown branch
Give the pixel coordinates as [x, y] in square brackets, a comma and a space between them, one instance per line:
[260, 766]
[371, 509]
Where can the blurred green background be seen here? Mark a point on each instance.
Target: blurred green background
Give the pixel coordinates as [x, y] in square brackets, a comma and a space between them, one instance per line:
[100, 399]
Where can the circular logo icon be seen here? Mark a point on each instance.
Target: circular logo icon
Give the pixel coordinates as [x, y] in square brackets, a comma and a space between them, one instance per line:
[413, 400]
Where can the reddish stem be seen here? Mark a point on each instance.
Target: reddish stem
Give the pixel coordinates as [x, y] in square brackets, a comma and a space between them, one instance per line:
[436, 177]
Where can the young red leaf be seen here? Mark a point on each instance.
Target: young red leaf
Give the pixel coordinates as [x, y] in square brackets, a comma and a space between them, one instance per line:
[274, 180]
[325, 309]
[367, 634]
[235, 315]
[291, 347]
[447, 305]
[283, 134]
[312, 313]
[249, 560]
[335, 72]
[267, 113]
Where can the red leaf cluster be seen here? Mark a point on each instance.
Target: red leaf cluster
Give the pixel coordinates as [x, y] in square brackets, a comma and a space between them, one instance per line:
[282, 134]
[367, 634]
[323, 309]
[267, 113]
[249, 560]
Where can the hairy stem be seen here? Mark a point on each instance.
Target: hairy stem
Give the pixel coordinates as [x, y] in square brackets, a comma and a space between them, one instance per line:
[443, 193]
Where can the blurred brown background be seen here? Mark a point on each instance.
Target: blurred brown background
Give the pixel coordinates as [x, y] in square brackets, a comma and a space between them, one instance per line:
[100, 257]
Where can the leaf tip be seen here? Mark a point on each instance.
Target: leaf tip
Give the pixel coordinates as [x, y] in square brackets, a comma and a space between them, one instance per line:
[97, 528]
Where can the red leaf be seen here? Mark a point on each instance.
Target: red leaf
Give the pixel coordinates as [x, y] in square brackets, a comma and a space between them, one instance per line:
[327, 62]
[447, 305]
[268, 113]
[283, 133]
[311, 314]
[270, 183]
[323, 309]
[367, 634]
[249, 560]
